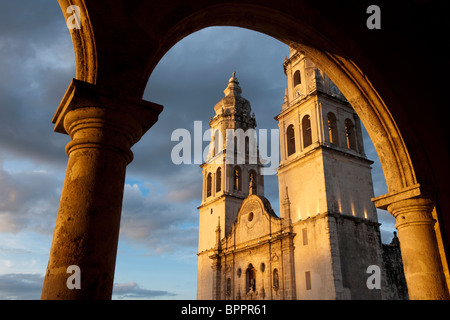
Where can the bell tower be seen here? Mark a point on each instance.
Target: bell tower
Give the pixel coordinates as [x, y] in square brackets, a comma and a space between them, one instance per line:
[231, 172]
[325, 169]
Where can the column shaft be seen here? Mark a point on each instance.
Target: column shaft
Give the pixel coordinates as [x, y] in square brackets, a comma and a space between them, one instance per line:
[103, 128]
[420, 252]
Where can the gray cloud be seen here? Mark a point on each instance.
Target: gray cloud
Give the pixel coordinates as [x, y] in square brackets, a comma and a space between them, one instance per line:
[21, 286]
[36, 67]
[158, 221]
[25, 286]
[28, 201]
[131, 290]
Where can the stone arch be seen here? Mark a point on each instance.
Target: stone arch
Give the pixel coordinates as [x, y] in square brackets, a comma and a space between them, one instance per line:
[95, 61]
[118, 47]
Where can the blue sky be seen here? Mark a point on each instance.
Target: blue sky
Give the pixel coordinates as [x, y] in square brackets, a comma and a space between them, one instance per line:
[159, 228]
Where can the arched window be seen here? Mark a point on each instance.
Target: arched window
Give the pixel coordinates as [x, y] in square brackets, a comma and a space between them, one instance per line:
[297, 78]
[350, 134]
[306, 130]
[218, 179]
[208, 184]
[290, 137]
[252, 183]
[250, 279]
[332, 128]
[237, 178]
[217, 143]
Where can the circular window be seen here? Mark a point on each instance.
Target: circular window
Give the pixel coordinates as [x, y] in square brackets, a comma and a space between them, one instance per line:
[250, 216]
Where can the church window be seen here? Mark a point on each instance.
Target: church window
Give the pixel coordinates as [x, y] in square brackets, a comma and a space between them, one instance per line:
[237, 178]
[263, 266]
[228, 286]
[308, 280]
[217, 143]
[250, 216]
[290, 136]
[297, 78]
[239, 272]
[250, 279]
[350, 134]
[218, 179]
[306, 129]
[275, 279]
[208, 184]
[239, 154]
[252, 183]
[332, 128]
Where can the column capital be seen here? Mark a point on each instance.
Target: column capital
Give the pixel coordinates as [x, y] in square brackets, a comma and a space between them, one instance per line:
[415, 191]
[413, 211]
[95, 118]
[410, 206]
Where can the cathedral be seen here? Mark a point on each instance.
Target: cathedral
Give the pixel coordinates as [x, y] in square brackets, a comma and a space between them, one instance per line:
[326, 236]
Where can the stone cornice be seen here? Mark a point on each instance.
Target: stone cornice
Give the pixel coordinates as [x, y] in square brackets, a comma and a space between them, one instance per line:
[81, 94]
[414, 191]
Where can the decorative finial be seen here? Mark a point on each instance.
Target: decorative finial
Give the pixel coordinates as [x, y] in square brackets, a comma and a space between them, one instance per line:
[233, 86]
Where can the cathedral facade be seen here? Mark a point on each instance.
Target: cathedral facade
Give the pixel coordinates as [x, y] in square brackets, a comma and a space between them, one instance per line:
[327, 236]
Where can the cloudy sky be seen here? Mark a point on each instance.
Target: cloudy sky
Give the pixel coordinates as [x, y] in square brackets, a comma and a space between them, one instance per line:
[159, 229]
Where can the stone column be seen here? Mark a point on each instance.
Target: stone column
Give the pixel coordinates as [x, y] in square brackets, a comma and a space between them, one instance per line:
[420, 252]
[103, 128]
[418, 244]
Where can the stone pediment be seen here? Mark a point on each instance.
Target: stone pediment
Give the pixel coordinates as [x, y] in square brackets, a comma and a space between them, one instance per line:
[255, 219]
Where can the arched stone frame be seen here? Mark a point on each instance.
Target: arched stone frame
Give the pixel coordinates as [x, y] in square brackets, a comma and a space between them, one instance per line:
[290, 140]
[307, 134]
[297, 80]
[209, 185]
[333, 130]
[350, 134]
[104, 41]
[218, 184]
[352, 82]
